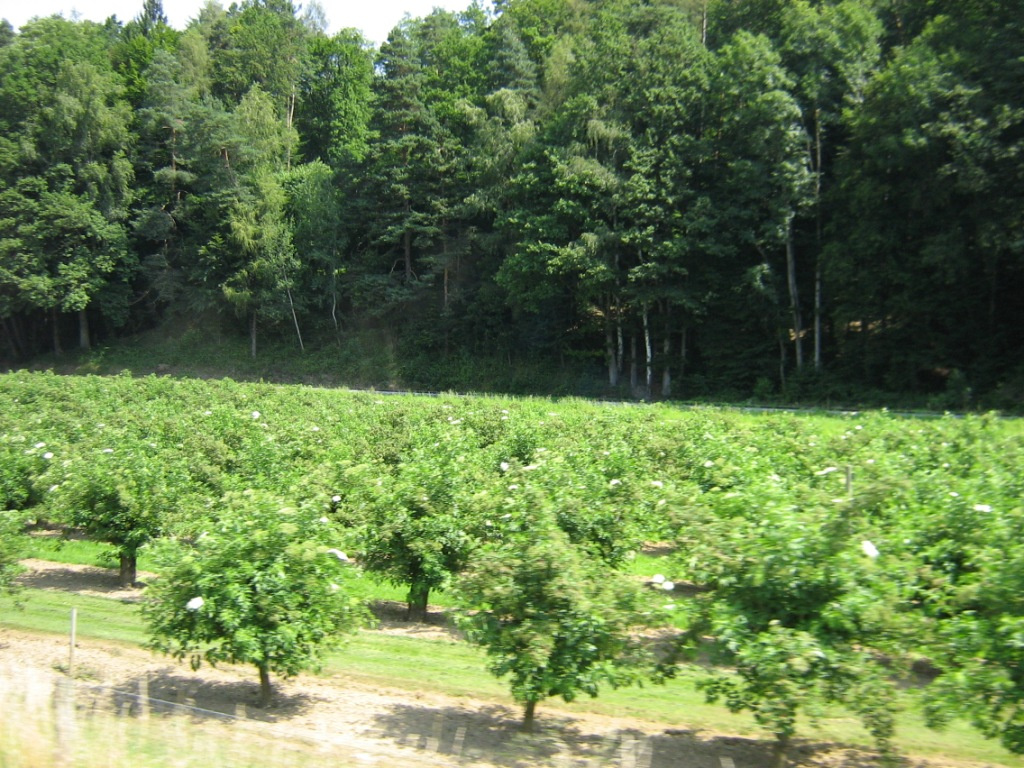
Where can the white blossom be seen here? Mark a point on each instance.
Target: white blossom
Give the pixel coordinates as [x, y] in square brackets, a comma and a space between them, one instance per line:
[614, 482]
[108, 450]
[709, 464]
[194, 604]
[40, 445]
[47, 455]
[338, 554]
[255, 414]
[869, 549]
[668, 586]
[335, 498]
[657, 579]
[982, 508]
[826, 471]
[657, 484]
[324, 520]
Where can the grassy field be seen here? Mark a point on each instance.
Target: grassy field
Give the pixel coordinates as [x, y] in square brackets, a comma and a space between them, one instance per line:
[457, 669]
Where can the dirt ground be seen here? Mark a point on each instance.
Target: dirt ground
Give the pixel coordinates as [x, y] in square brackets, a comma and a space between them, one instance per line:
[378, 726]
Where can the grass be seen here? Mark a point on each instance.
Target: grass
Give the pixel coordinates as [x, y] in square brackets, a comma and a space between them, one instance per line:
[76, 551]
[36, 731]
[50, 612]
[457, 669]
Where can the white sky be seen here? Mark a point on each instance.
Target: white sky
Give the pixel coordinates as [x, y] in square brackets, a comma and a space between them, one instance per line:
[376, 18]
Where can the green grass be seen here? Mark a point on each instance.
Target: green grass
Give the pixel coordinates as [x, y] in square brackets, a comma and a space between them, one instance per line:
[458, 669]
[75, 551]
[50, 612]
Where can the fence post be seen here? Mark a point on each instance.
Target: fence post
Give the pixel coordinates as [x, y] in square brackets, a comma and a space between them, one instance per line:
[71, 648]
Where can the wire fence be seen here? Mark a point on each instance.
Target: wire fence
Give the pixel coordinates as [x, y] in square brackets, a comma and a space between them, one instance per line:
[52, 720]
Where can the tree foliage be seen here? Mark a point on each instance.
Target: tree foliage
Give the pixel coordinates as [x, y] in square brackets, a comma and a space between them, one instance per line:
[679, 198]
[550, 619]
[260, 585]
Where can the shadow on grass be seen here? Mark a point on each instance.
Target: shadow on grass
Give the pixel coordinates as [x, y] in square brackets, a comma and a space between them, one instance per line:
[491, 735]
[171, 693]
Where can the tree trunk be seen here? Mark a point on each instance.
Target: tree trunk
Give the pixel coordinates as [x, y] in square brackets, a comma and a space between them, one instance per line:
[817, 235]
[666, 348]
[817, 312]
[407, 254]
[609, 347]
[648, 353]
[528, 713]
[295, 319]
[265, 690]
[83, 330]
[782, 362]
[55, 320]
[619, 341]
[781, 750]
[794, 296]
[12, 340]
[417, 602]
[633, 375]
[683, 351]
[252, 334]
[129, 569]
[444, 258]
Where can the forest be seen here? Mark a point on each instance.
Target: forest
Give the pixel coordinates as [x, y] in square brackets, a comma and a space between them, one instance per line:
[684, 197]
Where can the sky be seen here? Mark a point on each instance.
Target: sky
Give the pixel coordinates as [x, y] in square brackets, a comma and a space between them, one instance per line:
[375, 18]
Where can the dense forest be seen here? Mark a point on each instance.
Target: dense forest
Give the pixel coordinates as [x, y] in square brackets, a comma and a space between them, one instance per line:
[689, 196]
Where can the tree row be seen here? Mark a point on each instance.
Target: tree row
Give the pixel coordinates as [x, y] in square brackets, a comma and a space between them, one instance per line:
[687, 197]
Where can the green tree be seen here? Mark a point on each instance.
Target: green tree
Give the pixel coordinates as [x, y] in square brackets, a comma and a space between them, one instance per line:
[831, 51]
[418, 524]
[11, 546]
[797, 608]
[929, 189]
[264, 44]
[976, 566]
[553, 621]
[313, 207]
[333, 112]
[67, 178]
[258, 274]
[262, 585]
[125, 495]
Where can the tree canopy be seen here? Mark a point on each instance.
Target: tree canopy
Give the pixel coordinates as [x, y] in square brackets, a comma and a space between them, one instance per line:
[681, 198]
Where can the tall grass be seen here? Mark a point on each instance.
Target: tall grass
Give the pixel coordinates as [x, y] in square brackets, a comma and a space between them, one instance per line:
[51, 721]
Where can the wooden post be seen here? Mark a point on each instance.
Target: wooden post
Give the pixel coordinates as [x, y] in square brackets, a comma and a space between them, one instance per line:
[71, 648]
[460, 738]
